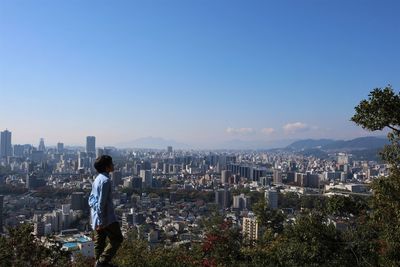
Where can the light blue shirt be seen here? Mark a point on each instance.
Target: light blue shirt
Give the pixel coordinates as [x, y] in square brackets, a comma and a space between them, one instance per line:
[100, 202]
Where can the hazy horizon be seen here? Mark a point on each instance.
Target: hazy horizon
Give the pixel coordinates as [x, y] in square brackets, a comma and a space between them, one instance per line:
[200, 73]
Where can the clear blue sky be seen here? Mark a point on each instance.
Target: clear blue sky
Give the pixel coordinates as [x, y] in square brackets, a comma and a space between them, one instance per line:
[199, 72]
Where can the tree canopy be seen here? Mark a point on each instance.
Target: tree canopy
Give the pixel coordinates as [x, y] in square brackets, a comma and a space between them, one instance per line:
[382, 110]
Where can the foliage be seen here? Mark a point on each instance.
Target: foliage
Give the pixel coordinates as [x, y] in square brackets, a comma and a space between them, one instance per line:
[6, 189]
[222, 245]
[310, 241]
[21, 248]
[338, 205]
[267, 218]
[134, 252]
[289, 200]
[362, 242]
[382, 110]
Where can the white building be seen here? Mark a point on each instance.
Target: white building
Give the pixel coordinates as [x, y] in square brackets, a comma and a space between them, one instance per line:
[250, 228]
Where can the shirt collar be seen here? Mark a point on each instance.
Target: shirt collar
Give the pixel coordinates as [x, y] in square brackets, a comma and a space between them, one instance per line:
[106, 174]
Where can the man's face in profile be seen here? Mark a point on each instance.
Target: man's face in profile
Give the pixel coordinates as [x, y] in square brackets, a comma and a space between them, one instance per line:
[111, 167]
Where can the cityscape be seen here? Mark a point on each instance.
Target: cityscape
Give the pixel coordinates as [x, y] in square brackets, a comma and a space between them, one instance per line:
[199, 133]
[165, 195]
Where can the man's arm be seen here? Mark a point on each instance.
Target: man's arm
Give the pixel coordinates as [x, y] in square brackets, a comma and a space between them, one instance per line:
[104, 194]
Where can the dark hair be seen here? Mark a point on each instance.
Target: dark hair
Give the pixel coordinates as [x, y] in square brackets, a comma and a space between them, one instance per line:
[102, 163]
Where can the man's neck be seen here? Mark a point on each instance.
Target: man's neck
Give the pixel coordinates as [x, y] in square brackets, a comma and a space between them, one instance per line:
[107, 174]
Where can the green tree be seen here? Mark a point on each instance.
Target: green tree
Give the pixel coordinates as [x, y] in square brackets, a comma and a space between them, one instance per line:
[310, 241]
[21, 248]
[345, 205]
[382, 110]
[270, 219]
[134, 252]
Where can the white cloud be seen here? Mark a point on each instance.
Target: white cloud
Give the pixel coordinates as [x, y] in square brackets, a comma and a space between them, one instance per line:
[240, 131]
[295, 127]
[268, 131]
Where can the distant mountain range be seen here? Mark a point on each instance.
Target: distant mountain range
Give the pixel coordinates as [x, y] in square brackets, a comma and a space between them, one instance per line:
[318, 147]
[236, 144]
[152, 143]
[363, 148]
[361, 143]
[253, 145]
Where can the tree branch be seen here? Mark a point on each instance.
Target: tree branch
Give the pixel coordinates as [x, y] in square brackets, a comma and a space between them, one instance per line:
[394, 129]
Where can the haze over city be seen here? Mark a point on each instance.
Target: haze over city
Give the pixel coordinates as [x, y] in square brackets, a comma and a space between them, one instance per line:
[199, 73]
[199, 133]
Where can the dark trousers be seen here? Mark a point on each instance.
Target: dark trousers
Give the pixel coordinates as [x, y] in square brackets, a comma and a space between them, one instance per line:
[115, 238]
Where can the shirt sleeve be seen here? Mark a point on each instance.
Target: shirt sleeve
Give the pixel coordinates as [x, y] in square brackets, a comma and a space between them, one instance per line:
[104, 194]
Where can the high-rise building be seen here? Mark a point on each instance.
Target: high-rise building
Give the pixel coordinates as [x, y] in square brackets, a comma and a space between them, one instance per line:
[116, 178]
[38, 225]
[57, 221]
[147, 178]
[342, 158]
[223, 198]
[271, 196]
[31, 181]
[91, 144]
[99, 152]
[5, 144]
[241, 202]
[225, 176]
[83, 160]
[37, 156]
[77, 201]
[1, 213]
[165, 168]
[18, 150]
[127, 221]
[277, 177]
[66, 216]
[169, 149]
[250, 229]
[60, 147]
[41, 145]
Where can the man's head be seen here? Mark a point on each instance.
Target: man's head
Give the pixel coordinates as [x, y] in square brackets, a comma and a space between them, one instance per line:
[104, 164]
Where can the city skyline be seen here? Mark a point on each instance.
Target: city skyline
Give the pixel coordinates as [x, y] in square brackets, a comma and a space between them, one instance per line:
[198, 73]
[90, 146]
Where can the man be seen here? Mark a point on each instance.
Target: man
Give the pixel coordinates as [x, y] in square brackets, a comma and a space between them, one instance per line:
[103, 216]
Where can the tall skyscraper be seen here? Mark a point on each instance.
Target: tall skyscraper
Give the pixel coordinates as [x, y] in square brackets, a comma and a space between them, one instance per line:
[5, 144]
[41, 145]
[169, 149]
[1, 213]
[91, 144]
